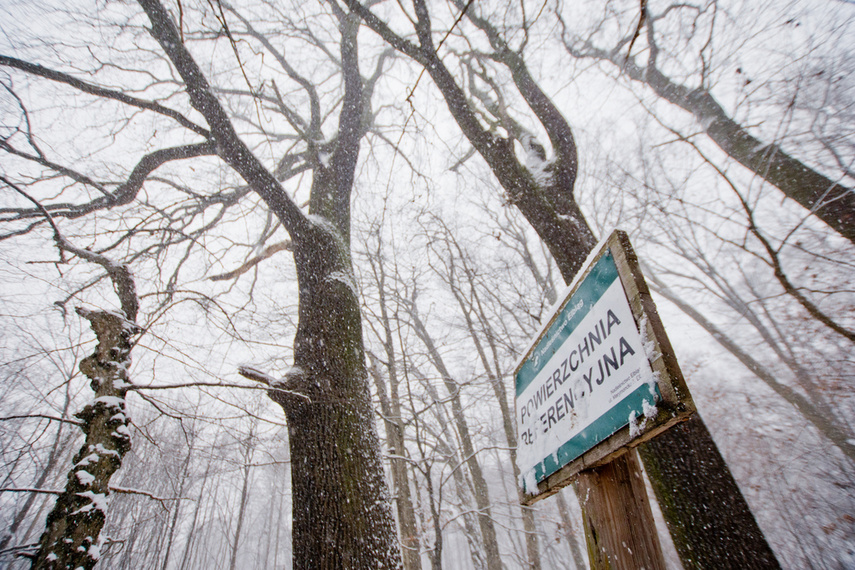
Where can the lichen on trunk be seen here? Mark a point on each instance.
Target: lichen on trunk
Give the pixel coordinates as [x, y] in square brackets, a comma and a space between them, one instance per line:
[71, 537]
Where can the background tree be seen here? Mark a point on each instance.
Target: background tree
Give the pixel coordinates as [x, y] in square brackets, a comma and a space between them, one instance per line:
[829, 198]
[543, 192]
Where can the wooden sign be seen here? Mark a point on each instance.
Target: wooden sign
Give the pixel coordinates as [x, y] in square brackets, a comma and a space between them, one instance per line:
[600, 378]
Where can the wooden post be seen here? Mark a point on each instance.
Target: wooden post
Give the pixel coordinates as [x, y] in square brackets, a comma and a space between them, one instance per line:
[619, 528]
[633, 404]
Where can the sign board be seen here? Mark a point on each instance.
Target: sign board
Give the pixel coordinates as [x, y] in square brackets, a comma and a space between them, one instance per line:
[600, 378]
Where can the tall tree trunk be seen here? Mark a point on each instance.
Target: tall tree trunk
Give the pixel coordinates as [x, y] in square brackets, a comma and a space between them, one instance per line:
[73, 526]
[342, 514]
[191, 534]
[693, 506]
[341, 509]
[400, 477]
[482, 494]
[244, 494]
[268, 535]
[278, 529]
[390, 404]
[185, 474]
[567, 526]
[464, 487]
[436, 554]
[529, 527]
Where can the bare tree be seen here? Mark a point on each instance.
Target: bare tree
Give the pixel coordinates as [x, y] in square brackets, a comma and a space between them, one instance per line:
[342, 515]
[392, 410]
[544, 195]
[827, 198]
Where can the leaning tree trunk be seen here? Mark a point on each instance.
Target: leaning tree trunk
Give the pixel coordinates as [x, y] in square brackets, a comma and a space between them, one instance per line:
[708, 540]
[73, 526]
[827, 199]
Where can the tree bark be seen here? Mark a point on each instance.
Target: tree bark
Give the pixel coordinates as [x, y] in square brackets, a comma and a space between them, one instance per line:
[693, 506]
[73, 526]
[341, 510]
[249, 446]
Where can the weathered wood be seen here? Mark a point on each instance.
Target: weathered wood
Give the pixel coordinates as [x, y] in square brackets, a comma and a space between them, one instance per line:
[619, 526]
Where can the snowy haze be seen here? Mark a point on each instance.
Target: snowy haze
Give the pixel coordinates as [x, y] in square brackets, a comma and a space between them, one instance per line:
[458, 267]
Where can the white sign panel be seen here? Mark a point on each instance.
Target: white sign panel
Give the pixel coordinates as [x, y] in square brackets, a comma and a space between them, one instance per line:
[587, 377]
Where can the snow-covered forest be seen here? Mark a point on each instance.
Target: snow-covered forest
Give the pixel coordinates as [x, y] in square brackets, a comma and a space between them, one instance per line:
[267, 268]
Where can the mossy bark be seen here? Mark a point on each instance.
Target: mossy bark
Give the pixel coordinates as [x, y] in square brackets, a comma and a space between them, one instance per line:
[71, 537]
[694, 507]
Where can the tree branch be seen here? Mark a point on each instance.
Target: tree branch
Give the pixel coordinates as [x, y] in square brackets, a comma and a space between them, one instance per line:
[124, 194]
[42, 416]
[229, 146]
[60, 77]
[828, 200]
[269, 251]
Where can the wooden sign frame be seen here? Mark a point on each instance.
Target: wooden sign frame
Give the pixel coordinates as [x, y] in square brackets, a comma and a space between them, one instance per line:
[674, 402]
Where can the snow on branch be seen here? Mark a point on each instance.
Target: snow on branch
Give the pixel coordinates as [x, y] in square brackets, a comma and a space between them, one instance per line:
[128, 491]
[30, 490]
[274, 384]
[42, 416]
